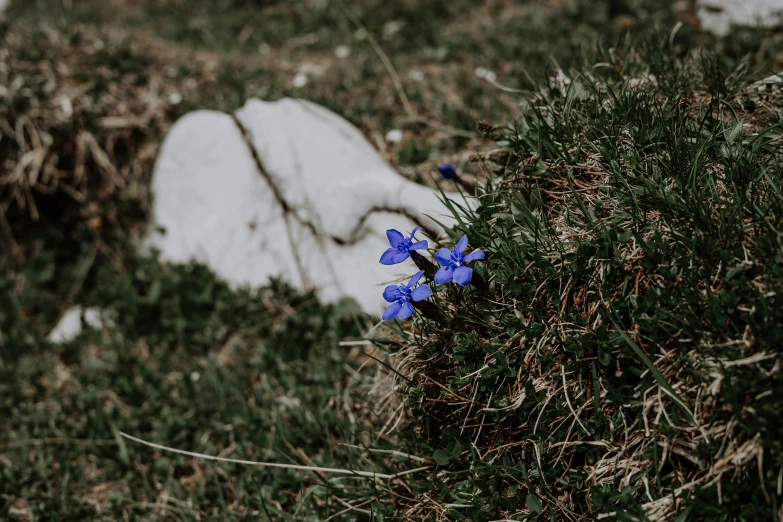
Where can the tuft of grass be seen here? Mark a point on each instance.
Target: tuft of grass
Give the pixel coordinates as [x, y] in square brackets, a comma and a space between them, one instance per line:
[625, 363]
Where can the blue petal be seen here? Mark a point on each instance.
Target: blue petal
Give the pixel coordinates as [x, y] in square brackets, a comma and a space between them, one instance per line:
[415, 278]
[421, 292]
[401, 256]
[413, 233]
[447, 171]
[392, 293]
[462, 245]
[419, 245]
[395, 237]
[444, 275]
[392, 311]
[388, 257]
[392, 256]
[463, 275]
[443, 256]
[473, 256]
[406, 311]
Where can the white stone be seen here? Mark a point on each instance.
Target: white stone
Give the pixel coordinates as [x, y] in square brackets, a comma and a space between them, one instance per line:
[485, 74]
[300, 80]
[70, 324]
[342, 52]
[394, 136]
[218, 209]
[717, 16]
[416, 75]
[769, 84]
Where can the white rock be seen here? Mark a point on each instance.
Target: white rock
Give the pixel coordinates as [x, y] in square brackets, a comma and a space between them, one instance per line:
[416, 75]
[342, 51]
[70, 324]
[300, 80]
[485, 74]
[481, 72]
[717, 16]
[394, 136]
[769, 84]
[341, 198]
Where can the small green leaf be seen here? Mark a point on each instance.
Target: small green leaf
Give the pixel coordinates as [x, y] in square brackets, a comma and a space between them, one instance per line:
[124, 457]
[534, 504]
[441, 457]
[456, 451]
[732, 136]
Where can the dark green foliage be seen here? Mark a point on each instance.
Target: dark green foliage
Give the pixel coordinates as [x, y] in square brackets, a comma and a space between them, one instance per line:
[192, 364]
[629, 352]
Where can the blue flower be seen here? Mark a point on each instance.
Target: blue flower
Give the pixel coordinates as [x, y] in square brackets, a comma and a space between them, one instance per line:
[401, 246]
[400, 297]
[453, 263]
[450, 173]
[447, 171]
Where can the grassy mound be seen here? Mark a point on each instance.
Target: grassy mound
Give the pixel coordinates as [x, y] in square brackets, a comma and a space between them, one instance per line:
[626, 361]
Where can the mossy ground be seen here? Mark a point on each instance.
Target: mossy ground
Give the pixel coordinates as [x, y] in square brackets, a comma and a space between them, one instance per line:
[260, 375]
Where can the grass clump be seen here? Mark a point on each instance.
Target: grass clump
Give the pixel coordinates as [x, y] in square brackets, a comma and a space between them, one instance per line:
[625, 363]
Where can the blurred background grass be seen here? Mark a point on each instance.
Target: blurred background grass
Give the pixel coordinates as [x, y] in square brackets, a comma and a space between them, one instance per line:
[93, 85]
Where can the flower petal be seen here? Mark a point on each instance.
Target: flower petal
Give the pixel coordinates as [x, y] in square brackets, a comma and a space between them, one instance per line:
[395, 237]
[392, 293]
[392, 256]
[463, 275]
[406, 311]
[421, 292]
[413, 233]
[388, 257]
[392, 311]
[462, 245]
[415, 279]
[444, 275]
[447, 171]
[473, 256]
[443, 256]
[419, 245]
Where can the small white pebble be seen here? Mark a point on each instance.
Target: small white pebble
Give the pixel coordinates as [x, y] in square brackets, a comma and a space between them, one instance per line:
[394, 136]
[195, 376]
[175, 98]
[300, 80]
[416, 75]
[264, 48]
[66, 105]
[342, 52]
[392, 28]
[485, 74]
